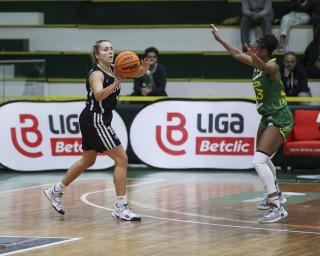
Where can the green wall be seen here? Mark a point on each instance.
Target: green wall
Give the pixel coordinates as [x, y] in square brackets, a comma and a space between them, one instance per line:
[130, 13]
[186, 65]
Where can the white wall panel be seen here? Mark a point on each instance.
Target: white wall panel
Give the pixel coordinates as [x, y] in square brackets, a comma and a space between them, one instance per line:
[137, 39]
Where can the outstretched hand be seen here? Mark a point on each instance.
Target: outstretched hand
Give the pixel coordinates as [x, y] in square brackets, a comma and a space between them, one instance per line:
[145, 64]
[251, 50]
[214, 32]
[144, 67]
[233, 51]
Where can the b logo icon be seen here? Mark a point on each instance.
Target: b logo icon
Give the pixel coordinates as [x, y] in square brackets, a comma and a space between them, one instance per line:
[180, 127]
[33, 129]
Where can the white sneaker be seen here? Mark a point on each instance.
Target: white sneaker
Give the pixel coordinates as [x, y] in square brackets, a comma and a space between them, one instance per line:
[273, 214]
[264, 203]
[55, 198]
[124, 213]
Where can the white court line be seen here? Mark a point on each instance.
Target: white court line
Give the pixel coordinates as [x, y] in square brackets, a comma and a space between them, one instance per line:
[84, 196]
[19, 189]
[60, 242]
[86, 201]
[37, 186]
[51, 184]
[40, 246]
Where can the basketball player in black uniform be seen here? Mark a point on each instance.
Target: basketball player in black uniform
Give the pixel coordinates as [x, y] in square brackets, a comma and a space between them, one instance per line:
[103, 88]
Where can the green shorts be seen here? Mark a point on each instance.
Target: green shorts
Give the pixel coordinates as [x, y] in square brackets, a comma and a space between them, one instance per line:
[281, 118]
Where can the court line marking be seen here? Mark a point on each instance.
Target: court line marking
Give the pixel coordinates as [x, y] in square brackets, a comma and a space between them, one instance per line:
[214, 217]
[133, 202]
[20, 189]
[156, 217]
[86, 201]
[51, 184]
[39, 246]
[84, 196]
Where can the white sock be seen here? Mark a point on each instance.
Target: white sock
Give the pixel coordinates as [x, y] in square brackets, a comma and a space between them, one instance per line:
[260, 164]
[121, 200]
[275, 201]
[59, 187]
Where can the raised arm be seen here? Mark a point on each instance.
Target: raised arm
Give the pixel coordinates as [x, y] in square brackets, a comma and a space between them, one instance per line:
[234, 52]
[267, 67]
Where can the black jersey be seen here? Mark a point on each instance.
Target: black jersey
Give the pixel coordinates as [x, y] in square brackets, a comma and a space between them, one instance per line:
[109, 103]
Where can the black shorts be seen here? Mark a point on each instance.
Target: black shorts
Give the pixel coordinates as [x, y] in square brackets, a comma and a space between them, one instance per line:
[96, 130]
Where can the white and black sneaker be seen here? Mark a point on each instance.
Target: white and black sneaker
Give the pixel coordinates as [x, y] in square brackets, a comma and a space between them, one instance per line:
[264, 203]
[274, 214]
[55, 199]
[124, 213]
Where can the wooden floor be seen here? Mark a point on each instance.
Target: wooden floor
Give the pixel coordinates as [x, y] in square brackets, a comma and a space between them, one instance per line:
[186, 213]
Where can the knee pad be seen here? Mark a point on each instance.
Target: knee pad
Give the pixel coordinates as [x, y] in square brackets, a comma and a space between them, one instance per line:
[260, 161]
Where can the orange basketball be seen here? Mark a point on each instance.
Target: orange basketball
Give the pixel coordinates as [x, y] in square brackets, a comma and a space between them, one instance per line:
[127, 64]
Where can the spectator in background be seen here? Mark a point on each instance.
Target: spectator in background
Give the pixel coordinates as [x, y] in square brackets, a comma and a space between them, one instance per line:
[153, 83]
[311, 57]
[255, 12]
[299, 13]
[315, 17]
[294, 76]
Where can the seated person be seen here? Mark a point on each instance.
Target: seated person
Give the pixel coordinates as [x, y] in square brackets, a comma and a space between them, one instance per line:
[153, 83]
[311, 57]
[299, 13]
[315, 17]
[294, 76]
[255, 12]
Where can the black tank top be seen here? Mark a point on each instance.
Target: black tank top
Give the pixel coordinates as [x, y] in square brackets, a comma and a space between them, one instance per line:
[109, 103]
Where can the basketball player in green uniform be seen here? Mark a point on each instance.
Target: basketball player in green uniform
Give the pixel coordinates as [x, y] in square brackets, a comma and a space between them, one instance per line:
[276, 122]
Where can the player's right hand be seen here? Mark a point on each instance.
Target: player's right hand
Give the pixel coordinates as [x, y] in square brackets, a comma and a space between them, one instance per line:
[118, 79]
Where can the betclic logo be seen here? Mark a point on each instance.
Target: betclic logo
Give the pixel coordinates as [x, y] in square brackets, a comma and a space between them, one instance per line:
[191, 134]
[65, 146]
[31, 136]
[220, 124]
[46, 135]
[223, 123]
[170, 129]
[224, 146]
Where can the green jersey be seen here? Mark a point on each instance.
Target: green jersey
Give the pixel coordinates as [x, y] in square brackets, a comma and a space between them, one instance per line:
[270, 95]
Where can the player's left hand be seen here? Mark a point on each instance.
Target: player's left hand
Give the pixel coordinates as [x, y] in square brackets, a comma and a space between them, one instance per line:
[144, 67]
[251, 50]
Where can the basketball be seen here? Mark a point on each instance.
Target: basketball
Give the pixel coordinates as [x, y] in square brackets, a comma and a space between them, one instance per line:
[127, 64]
